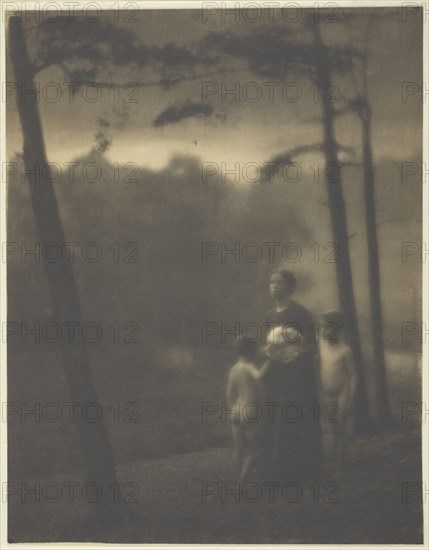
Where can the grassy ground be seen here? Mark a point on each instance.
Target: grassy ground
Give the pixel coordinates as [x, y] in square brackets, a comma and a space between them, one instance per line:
[167, 455]
[365, 506]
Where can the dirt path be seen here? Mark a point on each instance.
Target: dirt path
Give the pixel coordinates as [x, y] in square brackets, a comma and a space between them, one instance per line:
[362, 505]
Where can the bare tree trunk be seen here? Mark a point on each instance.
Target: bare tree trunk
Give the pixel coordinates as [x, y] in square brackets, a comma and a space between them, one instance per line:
[93, 437]
[363, 422]
[382, 396]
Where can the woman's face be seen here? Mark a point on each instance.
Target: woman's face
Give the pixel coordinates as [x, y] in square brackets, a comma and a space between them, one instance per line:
[279, 288]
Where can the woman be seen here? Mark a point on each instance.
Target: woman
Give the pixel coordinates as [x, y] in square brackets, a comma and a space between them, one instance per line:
[293, 437]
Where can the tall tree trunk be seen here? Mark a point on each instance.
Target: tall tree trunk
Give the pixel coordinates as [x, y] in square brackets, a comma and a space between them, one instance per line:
[363, 422]
[382, 396]
[93, 437]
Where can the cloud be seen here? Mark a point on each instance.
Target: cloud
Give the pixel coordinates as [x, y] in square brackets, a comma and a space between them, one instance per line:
[180, 111]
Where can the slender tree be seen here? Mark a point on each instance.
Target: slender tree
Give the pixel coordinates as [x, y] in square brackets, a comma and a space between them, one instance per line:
[382, 395]
[94, 439]
[85, 53]
[361, 106]
[337, 211]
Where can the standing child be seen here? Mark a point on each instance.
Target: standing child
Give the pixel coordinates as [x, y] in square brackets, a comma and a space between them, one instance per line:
[244, 397]
[338, 381]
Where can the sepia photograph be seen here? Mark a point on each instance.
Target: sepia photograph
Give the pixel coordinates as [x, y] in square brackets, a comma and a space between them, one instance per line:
[214, 282]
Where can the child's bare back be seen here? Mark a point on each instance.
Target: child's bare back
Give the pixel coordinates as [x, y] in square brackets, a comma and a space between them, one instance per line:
[244, 398]
[242, 384]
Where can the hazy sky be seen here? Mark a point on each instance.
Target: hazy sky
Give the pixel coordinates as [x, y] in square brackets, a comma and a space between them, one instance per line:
[237, 131]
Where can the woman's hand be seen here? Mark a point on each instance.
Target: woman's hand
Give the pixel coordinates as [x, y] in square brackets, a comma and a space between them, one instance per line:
[290, 353]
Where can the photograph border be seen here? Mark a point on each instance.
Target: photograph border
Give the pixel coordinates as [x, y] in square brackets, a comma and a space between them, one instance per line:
[196, 5]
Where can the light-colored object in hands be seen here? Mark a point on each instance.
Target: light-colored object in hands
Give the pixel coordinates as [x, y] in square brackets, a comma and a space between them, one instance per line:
[283, 344]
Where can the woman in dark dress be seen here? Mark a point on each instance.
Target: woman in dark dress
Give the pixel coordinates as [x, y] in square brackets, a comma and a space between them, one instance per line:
[293, 433]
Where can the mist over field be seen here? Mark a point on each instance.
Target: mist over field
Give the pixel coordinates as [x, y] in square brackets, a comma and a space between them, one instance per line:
[161, 283]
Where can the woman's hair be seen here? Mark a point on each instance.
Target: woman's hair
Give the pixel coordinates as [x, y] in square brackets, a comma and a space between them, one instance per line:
[287, 276]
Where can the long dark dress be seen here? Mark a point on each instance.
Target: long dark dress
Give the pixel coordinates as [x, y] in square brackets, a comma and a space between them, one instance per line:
[293, 442]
